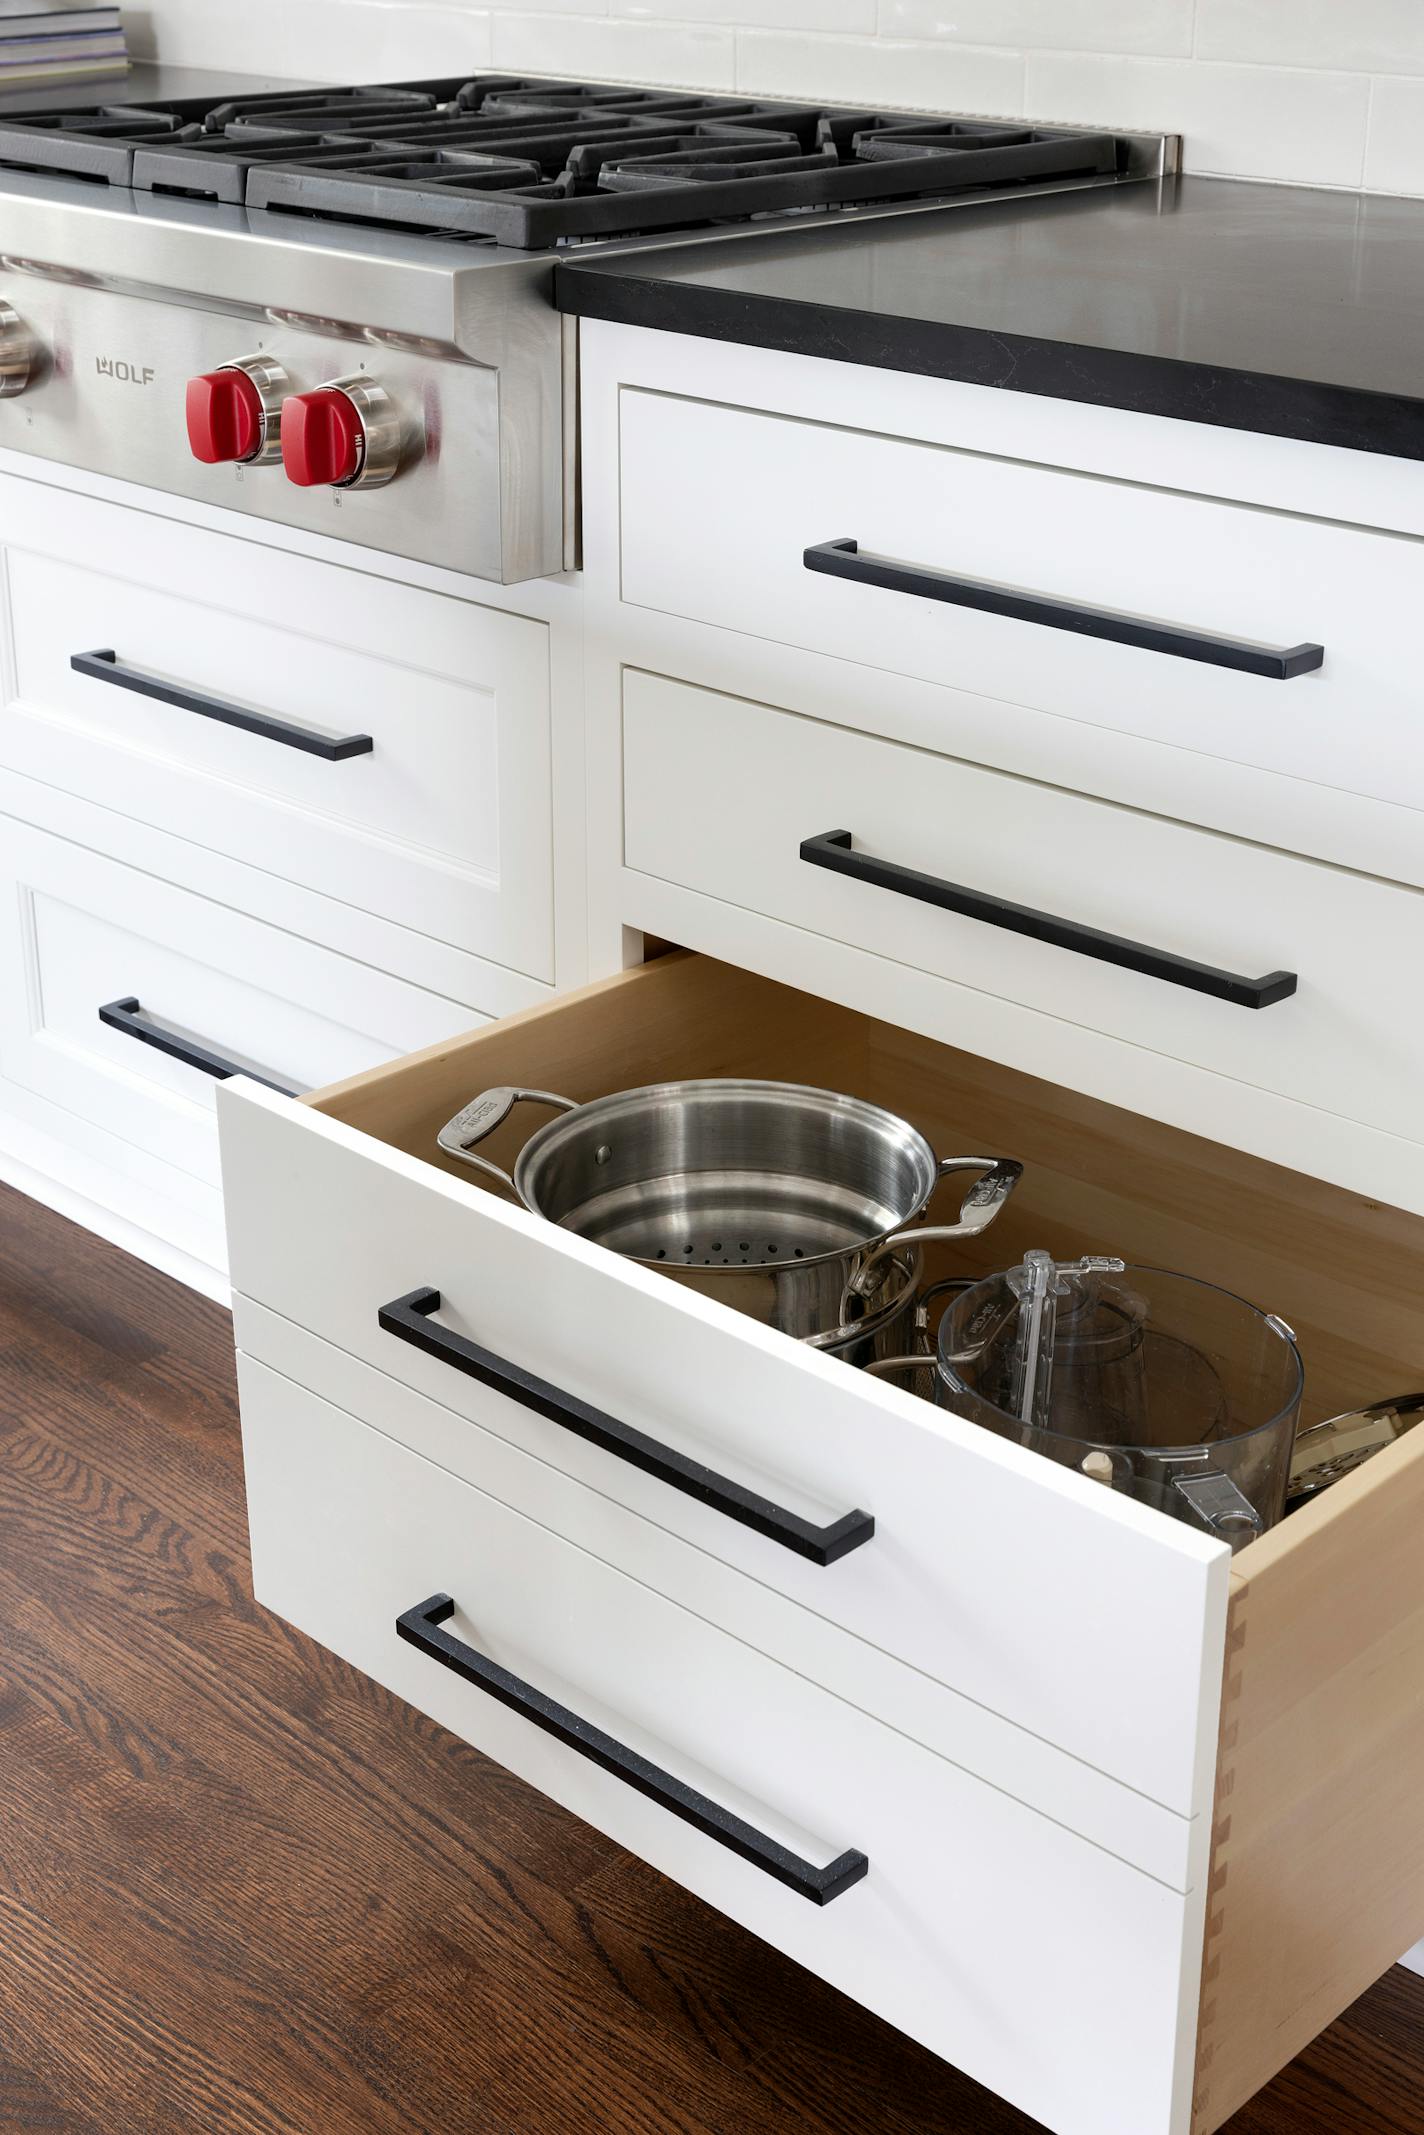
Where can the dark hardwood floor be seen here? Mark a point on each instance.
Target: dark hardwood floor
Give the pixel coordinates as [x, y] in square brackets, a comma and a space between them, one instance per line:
[245, 1892]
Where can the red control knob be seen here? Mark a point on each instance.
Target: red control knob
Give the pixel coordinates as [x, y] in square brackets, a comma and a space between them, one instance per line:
[224, 417]
[322, 437]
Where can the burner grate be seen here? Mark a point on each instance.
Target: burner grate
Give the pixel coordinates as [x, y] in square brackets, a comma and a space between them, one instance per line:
[534, 164]
[97, 143]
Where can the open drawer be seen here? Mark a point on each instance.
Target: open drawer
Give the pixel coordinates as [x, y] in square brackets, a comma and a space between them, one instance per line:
[1070, 1613]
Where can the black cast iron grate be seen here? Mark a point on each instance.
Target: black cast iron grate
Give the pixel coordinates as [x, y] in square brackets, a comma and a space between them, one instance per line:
[533, 164]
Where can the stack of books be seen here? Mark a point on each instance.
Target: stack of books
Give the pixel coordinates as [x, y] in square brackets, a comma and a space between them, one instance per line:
[59, 40]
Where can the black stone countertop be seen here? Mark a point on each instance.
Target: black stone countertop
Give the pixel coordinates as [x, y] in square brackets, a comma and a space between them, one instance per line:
[1280, 309]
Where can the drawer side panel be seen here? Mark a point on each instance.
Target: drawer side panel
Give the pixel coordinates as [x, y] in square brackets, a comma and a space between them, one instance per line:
[1317, 1879]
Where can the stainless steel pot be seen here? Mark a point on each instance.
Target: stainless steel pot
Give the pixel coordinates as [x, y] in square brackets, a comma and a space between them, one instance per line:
[797, 1206]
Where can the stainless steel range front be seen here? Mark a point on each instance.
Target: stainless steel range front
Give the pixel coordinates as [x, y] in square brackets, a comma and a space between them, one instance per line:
[332, 310]
[117, 300]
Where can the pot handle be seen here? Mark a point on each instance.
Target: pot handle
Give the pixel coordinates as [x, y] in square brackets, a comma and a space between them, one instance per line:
[850, 1330]
[482, 1115]
[887, 1367]
[916, 1360]
[999, 1176]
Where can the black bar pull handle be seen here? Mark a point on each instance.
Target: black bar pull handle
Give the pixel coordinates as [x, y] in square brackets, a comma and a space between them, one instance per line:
[1278, 663]
[108, 667]
[420, 1628]
[129, 1016]
[833, 850]
[409, 1318]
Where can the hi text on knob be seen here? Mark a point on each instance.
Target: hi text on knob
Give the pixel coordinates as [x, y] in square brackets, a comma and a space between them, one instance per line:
[234, 413]
[344, 435]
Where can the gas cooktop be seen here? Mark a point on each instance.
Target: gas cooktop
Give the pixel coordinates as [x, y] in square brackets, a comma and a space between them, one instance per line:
[532, 164]
[329, 309]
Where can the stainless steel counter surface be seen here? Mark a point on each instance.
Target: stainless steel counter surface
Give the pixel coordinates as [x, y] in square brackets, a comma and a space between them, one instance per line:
[144, 81]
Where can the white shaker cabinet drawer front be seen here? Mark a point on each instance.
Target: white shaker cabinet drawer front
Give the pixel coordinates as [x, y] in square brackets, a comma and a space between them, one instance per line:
[1168, 1847]
[1270, 970]
[123, 999]
[991, 1572]
[999, 1939]
[387, 747]
[1125, 608]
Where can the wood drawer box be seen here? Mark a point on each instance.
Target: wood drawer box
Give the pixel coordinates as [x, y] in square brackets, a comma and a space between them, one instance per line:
[442, 825]
[690, 547]
[1068, 1612]
[1344, 1047]
[969, 1903]
[79, 931]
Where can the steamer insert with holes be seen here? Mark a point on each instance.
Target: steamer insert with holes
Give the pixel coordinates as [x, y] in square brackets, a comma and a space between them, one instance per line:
[799, 1206]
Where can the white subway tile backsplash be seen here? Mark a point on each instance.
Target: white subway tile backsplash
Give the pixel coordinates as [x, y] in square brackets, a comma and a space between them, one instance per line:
[846, 16]
[880, 70]
[1246, 122]
[1277, 89]
[1364, 36]
[688, 55]
[1110, 25]
[1163, 26]
[315, 39]
[1394, 151]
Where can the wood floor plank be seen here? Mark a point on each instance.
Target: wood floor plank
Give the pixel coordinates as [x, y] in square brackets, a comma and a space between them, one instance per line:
[823, 2062]
[246, 1891]
[30, 2106]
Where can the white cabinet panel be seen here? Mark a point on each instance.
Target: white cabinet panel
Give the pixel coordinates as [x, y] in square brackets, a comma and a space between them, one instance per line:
[720, 793]
[1039, 1964]
[443, 826]
[79, 932]
[691, 546]
[1168, 1847]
